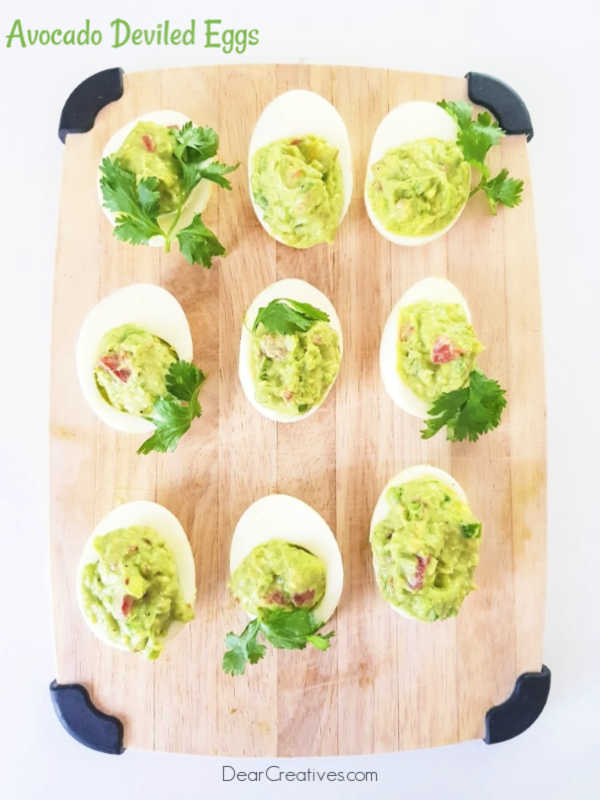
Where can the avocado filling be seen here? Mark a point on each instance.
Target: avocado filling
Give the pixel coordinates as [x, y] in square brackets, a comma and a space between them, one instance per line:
[132, 591]
[298, 185]
[426, 549]
[148, 153]
[131, 369]
[292, 373]
[437, 348]
[419, 188]
[278, 574]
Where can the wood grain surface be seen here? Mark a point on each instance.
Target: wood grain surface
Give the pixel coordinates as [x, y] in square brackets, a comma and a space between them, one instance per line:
[387, 683]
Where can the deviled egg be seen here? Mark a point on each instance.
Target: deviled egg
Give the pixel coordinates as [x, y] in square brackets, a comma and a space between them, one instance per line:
[136, 580]
[126, 345]
[290, 350]
[300, 169]
[283, 554]
[287, 574]
[425, 544]
[428, 345]
[417, 180]
[156, 176]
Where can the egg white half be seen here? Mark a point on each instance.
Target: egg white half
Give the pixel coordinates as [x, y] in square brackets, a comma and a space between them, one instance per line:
[295, 289]
[168, 527]
[280, 516]
[198, 199]
[150, 307]
[381, 509]
[434, 290]
[298, 113]
[407, 123]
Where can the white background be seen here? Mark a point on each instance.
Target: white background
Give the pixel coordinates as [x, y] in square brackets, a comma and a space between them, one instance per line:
[551, 58]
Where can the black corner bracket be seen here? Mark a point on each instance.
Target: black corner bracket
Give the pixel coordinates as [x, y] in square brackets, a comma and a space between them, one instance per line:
[87, 99]
[82, 720]
[522, 708]
[502, 100]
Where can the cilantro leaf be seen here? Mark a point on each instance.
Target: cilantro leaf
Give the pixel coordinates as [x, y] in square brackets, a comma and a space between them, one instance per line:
[149, 195]
[287, 316]
[446, 408]
[194, 144]
[318, 641]
[214, 171]
[475, 138]
[468, 412]
[460, 110]
[285, 629]
[198, 244]
[134, 231]
[243, 648]
[135, 203]
[193, 148]
[503, 189]
[174, 412]
[184, 380]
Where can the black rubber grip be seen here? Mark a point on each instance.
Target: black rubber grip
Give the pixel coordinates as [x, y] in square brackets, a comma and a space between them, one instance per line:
[523, 707]
[87, 99]
[83, 721]
[502, 100]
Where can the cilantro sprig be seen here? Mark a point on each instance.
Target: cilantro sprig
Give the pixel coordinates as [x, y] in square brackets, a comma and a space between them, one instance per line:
[174, 412]
[468, 412]
[282, 628]
[194, 148]
[475, 138]
[287, 316]
[137, 203]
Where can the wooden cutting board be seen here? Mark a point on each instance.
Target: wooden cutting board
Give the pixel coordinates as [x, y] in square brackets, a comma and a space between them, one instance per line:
[386, 683]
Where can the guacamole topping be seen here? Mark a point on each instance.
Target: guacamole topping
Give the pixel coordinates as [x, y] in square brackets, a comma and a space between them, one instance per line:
[426, 549]
[437, 348]
[148, 153]
[419, 188]
[293, 372]
[132, 591]
[131, 369]
[298, 185]
[278, 574]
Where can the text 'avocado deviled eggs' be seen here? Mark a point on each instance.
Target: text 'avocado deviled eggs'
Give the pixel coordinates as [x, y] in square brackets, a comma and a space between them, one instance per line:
[300, 169]
[155, 179]
[287, 574]
[427, 360]
[136, 581]
[425, 544]
[134, 365]
[290, 350]
[419, 170]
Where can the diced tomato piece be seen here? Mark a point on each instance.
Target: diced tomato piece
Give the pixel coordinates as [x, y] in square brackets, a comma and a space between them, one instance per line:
[277, 598]
[148, 143]
[295, 141]
[304, 598]
[126, 604]
[419, 576]
[111, 361]
[123, 374]
[114, 365]
[288, 396]
[444, 351]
